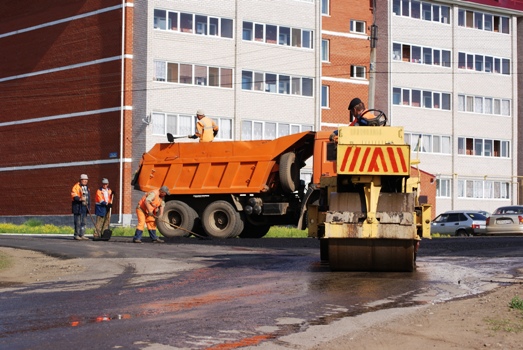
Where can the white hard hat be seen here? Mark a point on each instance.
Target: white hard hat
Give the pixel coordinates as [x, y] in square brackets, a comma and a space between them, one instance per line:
[84, 177]
[200, 112]
[105, 181]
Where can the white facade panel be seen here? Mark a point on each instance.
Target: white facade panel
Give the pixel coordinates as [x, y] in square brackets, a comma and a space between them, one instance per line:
[176, 46]
[489, 138]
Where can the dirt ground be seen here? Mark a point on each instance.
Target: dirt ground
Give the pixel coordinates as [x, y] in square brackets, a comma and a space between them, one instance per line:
[28, 266]
[478, 322]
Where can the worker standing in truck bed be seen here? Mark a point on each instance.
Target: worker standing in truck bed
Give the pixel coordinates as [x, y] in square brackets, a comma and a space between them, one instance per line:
[206, 128]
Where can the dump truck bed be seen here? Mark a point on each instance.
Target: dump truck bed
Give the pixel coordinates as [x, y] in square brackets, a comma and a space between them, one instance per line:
[229, 167]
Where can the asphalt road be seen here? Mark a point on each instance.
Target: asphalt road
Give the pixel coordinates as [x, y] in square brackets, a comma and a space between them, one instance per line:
[226, 294]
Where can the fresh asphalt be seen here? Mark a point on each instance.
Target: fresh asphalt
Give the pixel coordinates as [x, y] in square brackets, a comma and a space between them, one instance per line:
[202, 294]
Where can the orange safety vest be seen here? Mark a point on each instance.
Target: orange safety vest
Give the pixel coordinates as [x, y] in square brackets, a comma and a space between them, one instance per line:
[101, 198]
[77, 191]
[207, 127]
[155, 203]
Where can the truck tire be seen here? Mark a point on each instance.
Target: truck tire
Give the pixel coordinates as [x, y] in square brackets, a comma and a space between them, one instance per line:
[289, 173]
[221, 220]
[180, 215]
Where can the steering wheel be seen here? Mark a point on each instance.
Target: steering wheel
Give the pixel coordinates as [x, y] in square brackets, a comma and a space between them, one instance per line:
[379, 120]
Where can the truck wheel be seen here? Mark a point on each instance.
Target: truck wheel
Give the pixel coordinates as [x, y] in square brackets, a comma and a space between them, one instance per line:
[289, 172]
[254, 231]
[180, 215]
[221, 220]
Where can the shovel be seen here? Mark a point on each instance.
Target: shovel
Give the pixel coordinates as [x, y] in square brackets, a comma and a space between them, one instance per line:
[94, 224]
[106, 235]
[171, 138]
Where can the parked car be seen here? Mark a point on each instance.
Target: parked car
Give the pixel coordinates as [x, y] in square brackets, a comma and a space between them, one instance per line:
[460, 223]
[506, 220]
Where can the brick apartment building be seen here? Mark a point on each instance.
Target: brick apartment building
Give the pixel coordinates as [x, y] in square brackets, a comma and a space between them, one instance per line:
[87, 86]
[65, 92]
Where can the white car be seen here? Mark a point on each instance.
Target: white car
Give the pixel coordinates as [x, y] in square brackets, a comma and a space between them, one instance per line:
[459, 223]
[506, 220]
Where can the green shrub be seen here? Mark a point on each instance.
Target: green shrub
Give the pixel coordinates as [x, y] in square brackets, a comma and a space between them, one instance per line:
[516, 303]
[51, 229]
[286, 232]
[33, 223]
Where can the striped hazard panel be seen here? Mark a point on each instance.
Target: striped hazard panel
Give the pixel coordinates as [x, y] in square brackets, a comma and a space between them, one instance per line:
[376, 160]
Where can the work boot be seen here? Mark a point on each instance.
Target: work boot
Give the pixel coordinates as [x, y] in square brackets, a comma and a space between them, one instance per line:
[136, 241]
[158, 240]
[84, 238]
[138, 235]
[152, 234]
[78, 238]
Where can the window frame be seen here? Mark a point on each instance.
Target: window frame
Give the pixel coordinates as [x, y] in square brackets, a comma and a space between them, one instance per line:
[358, 27]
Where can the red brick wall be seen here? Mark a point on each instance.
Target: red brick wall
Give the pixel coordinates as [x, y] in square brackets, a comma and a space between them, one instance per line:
[428, 187]
[94, 138]
[344, 52]
[69, 91]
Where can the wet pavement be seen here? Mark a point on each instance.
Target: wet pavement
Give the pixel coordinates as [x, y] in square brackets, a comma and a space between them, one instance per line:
[192, 294]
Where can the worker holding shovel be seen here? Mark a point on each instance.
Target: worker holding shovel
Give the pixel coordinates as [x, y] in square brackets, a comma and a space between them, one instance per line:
[80, 204]
[148, 210]
[104, 202]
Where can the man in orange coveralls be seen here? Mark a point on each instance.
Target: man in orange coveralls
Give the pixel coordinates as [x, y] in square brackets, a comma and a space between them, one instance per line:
[149, 208]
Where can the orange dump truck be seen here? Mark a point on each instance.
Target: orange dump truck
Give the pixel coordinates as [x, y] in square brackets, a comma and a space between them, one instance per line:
[361, 203]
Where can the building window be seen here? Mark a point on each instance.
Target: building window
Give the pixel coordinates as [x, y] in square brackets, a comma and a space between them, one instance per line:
[183, 124]
[421, 10]
[284, 84]
[443, 188]
[247, 33]
[421, 55]
[358, 72]
[160, 19]
[160, 73]
[272, 34]
[186, 22]
[325, 50]
[284, 36]
[483, 21]
[427, 143]
[483, 147]
[480, 63]
[325, 96]
[307, 39]
[483, 189]
[246, 80]
[484, 105]
[358, 27]
[183, 22]
[277, 83]
[421, 98]
[184, 73]
[325, 7]
[262, 130]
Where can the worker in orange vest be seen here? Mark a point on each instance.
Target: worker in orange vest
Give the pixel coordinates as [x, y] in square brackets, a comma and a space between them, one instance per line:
[80, 205]
[148, 210]
[104, 202]
[206, 128]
